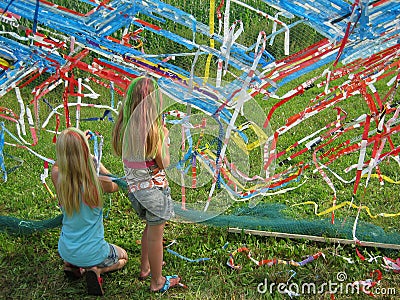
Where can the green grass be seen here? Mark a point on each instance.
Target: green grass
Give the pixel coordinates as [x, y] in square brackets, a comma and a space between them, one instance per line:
[31, 268]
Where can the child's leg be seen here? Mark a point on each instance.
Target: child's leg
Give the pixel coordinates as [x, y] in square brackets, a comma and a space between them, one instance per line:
[122, 260]
[68, 265]
[154, 242]
[144, 260]
[72, 271]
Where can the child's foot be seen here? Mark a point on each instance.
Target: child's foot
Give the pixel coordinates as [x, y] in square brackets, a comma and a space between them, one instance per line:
[143, 275]
[73, 273]
[170, 282]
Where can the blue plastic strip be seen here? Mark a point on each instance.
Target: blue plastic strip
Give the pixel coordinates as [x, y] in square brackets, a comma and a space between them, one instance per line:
[187, 259]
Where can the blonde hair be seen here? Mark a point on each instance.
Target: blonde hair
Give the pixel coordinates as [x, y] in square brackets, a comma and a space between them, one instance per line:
[77, 179]
[138, 130]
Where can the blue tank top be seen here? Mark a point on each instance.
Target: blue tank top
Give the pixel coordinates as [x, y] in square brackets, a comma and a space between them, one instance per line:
[82, 242]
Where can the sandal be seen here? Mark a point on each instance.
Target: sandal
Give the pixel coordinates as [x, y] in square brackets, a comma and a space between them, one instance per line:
[73, 273]
[94, 283]
[167, 285]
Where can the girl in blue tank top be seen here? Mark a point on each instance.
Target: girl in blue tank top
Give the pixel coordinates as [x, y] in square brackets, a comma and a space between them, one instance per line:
[79, 190]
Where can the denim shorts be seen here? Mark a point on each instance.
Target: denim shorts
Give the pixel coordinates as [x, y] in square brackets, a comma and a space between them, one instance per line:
[153, 205]
[111, 259]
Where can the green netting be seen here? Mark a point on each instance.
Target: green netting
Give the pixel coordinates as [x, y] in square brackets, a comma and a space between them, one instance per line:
[270, 217]
[263, 217]
[13, 225]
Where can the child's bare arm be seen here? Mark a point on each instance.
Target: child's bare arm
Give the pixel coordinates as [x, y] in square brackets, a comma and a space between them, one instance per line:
[108, 185]
[162, 157]
[54, 174]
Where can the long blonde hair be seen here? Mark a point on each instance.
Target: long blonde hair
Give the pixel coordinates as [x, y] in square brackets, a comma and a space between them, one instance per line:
[77, 178]
[138, 130]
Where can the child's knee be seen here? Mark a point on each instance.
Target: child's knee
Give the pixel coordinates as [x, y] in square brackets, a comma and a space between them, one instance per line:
[122, 254]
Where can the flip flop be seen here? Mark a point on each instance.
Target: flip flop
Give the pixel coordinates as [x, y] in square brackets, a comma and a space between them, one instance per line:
[167, 285]
[94, 283]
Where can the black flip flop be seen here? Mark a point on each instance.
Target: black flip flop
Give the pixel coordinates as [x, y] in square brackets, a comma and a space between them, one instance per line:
[94, 283]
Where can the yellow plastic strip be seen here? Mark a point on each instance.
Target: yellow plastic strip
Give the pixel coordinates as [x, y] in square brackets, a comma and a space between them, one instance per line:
[388, 179]
[335, 207]
[212, 44]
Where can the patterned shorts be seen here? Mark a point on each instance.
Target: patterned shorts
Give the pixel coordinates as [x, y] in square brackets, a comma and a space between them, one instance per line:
[111, 259]
[153, 205]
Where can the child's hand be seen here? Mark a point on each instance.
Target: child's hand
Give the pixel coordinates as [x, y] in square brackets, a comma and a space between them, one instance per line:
[88, 134]
[165, 130]
[166, 136]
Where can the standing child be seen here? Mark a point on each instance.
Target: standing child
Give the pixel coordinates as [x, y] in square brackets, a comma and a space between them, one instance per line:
[81, 244]
[139, 137]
